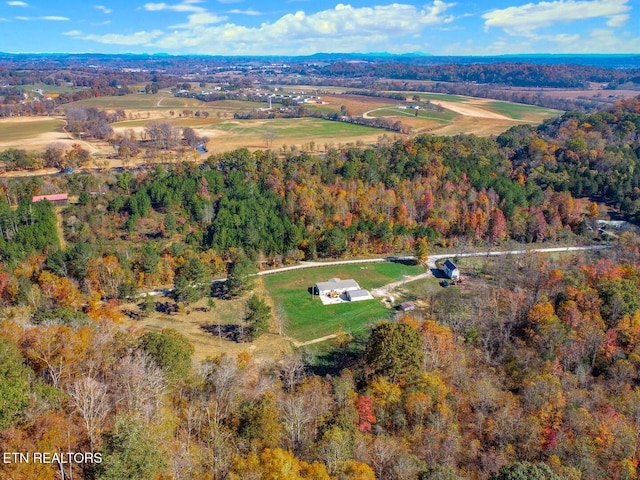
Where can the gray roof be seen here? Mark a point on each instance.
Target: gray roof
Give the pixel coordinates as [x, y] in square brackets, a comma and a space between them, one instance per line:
[358, 294]
[337, 284]
[450, 265]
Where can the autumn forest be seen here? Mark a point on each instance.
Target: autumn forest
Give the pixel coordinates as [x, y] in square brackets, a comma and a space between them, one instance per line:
[530, 371]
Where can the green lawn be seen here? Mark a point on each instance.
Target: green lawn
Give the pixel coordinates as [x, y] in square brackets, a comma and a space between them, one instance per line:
[419, 289]
[309, 319]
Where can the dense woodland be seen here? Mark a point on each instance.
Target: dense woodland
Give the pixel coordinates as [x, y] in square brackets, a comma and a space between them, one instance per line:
[517, 74]
[533, 374]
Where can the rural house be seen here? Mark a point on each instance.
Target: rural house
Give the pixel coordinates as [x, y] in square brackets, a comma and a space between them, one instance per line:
[451, 270]
[336, 290]
[336, 285]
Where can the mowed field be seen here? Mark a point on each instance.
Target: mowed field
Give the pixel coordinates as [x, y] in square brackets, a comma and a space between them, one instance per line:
[32, 133]
[445, 115]
[308, 318]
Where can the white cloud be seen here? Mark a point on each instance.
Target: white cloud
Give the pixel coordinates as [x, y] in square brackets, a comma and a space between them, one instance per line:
[52, 18]
[185, 6]
[17, 4]
[341, 29]
[72, 33]
[389, 20]
[138, 38]
[617, 20]
[249, 11]
[526, 19]
[103, 9]
[198, 19]
[604, 40]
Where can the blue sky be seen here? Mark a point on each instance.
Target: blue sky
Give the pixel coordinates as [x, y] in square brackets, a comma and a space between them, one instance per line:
[302, 27]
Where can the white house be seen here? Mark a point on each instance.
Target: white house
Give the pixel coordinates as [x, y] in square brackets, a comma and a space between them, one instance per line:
[336, 285]
[451, 270]
[337, 291]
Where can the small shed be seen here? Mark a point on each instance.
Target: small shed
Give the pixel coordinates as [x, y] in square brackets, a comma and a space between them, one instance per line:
[407, 306]
[451, 270]
[56, 199]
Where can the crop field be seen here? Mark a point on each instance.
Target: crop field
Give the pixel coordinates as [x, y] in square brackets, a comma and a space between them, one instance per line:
[444, 117]
[31, 133]
[458, 114]
[48, 89]
[519, 111]
[12, 131]
[442, 97]
[309, 319]
[298, 128]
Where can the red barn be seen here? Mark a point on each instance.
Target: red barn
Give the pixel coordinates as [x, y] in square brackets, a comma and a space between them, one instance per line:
[56, 199]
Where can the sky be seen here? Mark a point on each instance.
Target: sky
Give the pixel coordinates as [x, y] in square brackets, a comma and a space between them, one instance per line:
[304, 27]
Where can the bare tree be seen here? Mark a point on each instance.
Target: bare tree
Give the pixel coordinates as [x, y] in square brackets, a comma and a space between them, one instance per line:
[291, 371]
[139, 383]
[296, 420]
[191, 137]
[222, 380]
[89, 397]
[280, 318]
[269, 137]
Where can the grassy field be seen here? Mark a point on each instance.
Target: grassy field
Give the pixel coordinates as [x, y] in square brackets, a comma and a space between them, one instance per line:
[519, 111]
[13, 131]
[424, 113]
[309, 319]
[461, 114]
[207, 344]
[140, 101]
[296, 128]
[440, 97]
[48, 89]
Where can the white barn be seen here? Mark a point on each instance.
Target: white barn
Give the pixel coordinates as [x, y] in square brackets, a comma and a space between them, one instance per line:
[451, 270]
